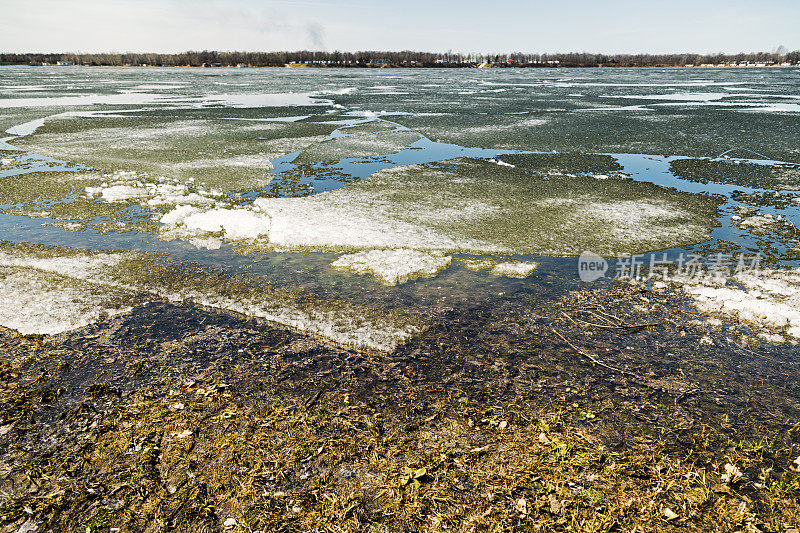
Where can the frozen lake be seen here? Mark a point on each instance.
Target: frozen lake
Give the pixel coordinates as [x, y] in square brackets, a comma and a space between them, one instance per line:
[351, 203]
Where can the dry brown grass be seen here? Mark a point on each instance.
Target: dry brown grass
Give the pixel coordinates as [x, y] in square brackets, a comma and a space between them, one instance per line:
[191, 461]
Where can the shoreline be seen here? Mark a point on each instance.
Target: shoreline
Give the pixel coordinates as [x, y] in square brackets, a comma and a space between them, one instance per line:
[176, 417]
[422, 67]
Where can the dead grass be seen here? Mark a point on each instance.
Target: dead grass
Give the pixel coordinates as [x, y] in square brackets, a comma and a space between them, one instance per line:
[196, 459]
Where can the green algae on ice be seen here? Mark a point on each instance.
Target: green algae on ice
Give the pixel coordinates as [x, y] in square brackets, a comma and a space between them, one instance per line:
[477, 206]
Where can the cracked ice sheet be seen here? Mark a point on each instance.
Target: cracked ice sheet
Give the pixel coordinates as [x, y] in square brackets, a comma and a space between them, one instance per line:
[222, 153]
[510, 269]
[475, 206]
[62, 290]
[463, 205]
[38, 302]
[83, 195]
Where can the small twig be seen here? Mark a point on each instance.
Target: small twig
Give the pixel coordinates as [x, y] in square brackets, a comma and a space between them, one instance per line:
[685, 394]
[601, 316]
[608, 316]
[570, 318]
[593, 358]
[751, 352]
[314, 399]
[603, 326]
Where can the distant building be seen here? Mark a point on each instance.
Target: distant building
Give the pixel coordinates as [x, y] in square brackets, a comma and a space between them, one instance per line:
[64, 63]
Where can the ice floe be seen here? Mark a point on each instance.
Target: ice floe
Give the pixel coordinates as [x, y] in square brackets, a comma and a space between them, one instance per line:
[499, 267]
[395, 266]
[768, 300]
[501, 163]
[466, 206]
[123, 186]
[48, 295]
[64, 292]
[233, 224]
[514, 269]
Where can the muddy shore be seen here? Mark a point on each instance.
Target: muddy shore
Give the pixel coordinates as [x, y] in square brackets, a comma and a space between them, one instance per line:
[614, 408]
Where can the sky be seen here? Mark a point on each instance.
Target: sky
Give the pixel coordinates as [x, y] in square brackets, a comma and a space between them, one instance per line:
[614, 26]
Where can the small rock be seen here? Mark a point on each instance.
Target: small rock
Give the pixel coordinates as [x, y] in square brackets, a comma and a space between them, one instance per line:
[229, 523]
[177, 406]
[544, 440]
[669, 514]
[503, 425]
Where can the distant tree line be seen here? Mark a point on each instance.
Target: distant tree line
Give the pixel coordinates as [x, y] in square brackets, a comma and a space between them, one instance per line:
[398, 59]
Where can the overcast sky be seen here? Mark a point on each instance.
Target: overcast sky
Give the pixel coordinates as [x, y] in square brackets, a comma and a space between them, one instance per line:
[619, 26]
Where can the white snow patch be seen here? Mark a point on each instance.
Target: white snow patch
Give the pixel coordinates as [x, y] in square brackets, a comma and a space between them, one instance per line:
[78, 266]
[179, 214]
[759, 221]
[206, 244]
[262, 160]
[319, 223]
[120, 193]
[33, 302]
